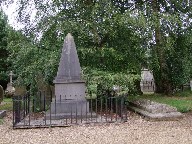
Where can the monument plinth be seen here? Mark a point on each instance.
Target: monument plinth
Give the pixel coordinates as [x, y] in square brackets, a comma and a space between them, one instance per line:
[69, 87]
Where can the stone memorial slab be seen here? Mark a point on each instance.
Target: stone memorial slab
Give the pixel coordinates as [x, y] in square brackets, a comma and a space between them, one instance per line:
[155, 111]
[147, 81]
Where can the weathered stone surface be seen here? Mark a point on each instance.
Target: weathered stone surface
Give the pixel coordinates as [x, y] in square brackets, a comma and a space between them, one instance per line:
[69, 109]
[154, 110]
[69, 87]
[146, 75]
[2, 113]
[1, 94]
[10, 90]
[154, 107]
[147, 83]
[69, 67]
[70, 91]
[157, 116]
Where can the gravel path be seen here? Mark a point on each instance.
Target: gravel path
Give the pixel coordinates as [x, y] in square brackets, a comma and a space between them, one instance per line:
[135, 131]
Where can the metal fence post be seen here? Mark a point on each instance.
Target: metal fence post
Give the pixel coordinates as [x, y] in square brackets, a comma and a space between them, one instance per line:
[17, 109]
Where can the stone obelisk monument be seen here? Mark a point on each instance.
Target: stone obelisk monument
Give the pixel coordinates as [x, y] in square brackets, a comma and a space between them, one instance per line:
[69, 87]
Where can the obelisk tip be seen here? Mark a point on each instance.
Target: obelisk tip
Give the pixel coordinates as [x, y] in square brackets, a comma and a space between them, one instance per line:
[69, 35]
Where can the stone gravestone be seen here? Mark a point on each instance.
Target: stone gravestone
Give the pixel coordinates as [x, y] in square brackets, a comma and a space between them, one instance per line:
[69, 87]
[10, 89]
[1, 94]
[147, 81]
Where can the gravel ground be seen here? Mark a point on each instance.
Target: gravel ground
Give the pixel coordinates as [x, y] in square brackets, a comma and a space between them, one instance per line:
[135, 131]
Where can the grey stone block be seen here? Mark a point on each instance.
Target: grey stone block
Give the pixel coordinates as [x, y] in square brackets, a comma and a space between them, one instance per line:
[2, 113]
[69, 109]
[73, 106]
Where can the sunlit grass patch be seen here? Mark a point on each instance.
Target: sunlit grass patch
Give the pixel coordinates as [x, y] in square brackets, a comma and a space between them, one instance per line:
[7, 104]
[181, 100]
[1, 121]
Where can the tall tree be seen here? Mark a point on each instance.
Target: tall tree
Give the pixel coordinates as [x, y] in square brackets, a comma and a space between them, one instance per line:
[100, 30]
[3, 49]
[169, 19]
[129, 29]
[166, 19]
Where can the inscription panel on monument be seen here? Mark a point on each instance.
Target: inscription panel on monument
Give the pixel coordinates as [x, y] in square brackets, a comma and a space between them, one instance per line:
[74, 91]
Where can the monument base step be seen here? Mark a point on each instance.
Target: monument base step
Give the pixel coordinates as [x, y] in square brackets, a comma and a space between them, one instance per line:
[70, 106]
[58, 116]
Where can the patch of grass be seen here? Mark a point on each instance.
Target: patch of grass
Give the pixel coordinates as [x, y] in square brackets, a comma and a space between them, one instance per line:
[7, 100]
[186, 93]
[182, 100]
[1, 121]
[7, 104]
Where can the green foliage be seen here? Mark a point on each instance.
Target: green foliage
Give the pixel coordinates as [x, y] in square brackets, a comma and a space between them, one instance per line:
[97, 81]
[177, 48]
[179, 60]
[105, 42]
[3, 46]
[29, 61]
[169, 54]
[107, 67]
[113, 38]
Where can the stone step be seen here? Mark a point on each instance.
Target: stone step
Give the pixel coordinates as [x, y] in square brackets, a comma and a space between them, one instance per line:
[70, 115]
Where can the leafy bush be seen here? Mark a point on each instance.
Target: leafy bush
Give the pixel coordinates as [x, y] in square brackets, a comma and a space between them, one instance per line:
[102, 82]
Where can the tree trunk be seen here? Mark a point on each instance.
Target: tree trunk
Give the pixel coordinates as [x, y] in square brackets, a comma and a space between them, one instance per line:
[161, 78]
[138, 87]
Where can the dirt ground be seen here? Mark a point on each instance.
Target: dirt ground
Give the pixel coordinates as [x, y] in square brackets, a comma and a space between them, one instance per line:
[135, 131]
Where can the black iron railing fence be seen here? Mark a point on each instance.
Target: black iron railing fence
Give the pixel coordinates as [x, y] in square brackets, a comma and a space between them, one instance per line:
[42, 111]
[21, 107]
